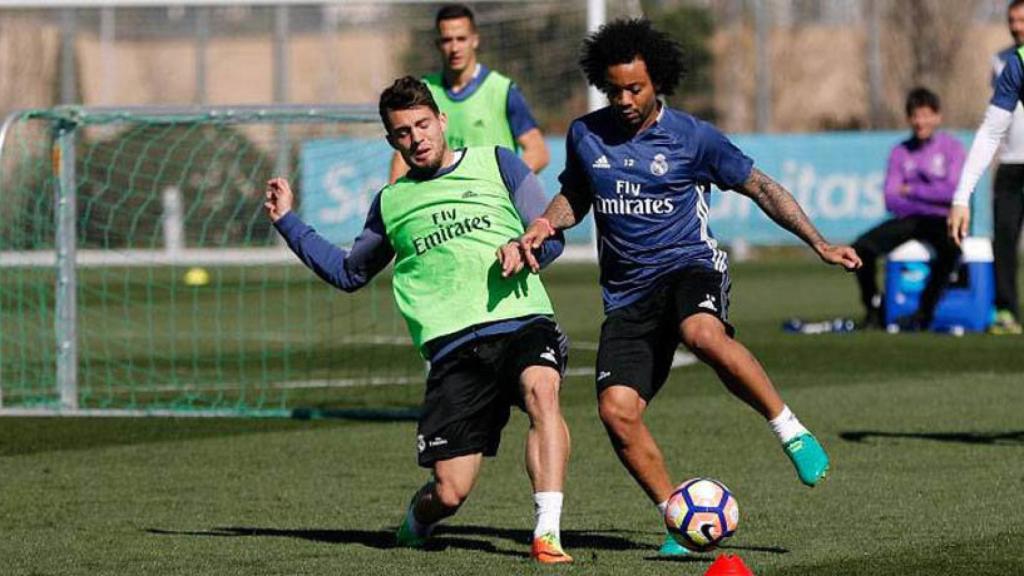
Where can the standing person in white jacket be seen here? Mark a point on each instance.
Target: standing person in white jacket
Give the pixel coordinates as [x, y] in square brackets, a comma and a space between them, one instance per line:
[1008, 192]
[1002, 130]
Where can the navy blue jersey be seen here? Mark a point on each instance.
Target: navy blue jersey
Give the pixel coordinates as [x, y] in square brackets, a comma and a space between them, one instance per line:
[650, 195]
[1009, 84]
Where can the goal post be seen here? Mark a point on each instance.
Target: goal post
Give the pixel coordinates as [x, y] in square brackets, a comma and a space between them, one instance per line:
[139, 274]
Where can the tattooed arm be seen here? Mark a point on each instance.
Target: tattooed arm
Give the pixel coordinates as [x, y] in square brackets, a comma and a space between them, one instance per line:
[565, 210]
[781, 207]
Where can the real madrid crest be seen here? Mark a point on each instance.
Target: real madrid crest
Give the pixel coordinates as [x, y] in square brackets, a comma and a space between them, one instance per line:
[421, 444]
[659, 166]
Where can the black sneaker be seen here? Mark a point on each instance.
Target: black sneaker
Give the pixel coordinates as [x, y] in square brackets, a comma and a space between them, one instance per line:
[874, 319]
[915, 322]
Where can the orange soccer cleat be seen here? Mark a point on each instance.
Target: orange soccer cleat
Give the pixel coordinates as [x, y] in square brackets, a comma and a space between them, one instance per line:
[547, 549]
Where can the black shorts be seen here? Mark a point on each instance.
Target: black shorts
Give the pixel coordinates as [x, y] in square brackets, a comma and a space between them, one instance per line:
[471, 390]
[639, 340]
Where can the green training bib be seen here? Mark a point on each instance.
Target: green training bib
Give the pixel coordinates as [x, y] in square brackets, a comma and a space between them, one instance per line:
[481, 119]
[445, 233]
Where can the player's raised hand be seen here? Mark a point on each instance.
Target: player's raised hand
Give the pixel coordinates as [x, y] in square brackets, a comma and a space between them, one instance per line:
[510, 258]
[958, 223]
[279, 198]
[539, 231]
[844, 256]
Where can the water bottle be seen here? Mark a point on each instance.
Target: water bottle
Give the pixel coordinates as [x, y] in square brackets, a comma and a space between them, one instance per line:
[833, 326]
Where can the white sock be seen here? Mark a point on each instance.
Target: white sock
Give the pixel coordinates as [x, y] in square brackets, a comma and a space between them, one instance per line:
[548, 510]
[786, 426]
[662, 507]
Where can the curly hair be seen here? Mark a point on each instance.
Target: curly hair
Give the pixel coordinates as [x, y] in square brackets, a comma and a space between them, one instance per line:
[620, 41]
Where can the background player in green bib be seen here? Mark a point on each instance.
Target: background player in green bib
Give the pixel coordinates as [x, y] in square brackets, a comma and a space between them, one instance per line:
[484, 108]
[443, 224]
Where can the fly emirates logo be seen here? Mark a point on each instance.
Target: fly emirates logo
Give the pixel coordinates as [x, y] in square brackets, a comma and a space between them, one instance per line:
[448, 225]
[627, 200]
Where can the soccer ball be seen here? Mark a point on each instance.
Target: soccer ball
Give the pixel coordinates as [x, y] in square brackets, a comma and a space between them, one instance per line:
[701, 514]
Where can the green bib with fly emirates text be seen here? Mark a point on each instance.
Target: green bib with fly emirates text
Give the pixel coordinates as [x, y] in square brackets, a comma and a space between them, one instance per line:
[445, 232]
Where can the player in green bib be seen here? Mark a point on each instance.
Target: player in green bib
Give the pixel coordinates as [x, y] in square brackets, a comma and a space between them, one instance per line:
[484, 108]
[484, 323]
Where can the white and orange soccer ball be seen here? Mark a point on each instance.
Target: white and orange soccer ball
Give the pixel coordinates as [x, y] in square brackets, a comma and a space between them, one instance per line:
[701, 514]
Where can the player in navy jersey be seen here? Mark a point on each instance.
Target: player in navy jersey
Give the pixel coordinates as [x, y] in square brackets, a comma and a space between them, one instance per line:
[646, 170]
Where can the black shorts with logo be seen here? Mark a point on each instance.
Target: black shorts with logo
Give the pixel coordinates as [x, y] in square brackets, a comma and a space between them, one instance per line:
[471, 390]
[638, 341]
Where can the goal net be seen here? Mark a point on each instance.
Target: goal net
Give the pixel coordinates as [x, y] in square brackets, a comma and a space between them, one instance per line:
[138, 272]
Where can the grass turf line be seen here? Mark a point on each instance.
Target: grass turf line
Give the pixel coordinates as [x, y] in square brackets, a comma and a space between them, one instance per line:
[924, 431]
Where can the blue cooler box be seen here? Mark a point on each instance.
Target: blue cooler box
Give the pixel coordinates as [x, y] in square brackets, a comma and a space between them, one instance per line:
[966, 303]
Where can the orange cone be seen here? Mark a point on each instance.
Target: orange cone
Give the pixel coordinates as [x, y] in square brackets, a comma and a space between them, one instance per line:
[728, 565]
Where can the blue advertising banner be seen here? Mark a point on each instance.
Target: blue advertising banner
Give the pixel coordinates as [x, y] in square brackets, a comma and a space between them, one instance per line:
[836, 177]
[340, 177]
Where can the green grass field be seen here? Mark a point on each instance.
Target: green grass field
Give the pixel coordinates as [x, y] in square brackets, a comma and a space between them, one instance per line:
[926, 433]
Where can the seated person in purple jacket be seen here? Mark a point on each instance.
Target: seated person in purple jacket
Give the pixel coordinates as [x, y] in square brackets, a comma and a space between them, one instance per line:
[919, 184]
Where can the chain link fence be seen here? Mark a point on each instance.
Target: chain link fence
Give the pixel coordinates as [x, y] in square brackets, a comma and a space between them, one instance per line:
[757, 65]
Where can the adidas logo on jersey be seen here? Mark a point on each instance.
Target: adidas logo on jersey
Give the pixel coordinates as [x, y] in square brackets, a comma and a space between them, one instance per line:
[708, 303]
[602, 162]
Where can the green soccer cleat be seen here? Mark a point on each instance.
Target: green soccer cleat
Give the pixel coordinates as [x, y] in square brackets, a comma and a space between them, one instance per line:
[1005, 324]
[808, 458]
[672, 548]
[407, 538]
